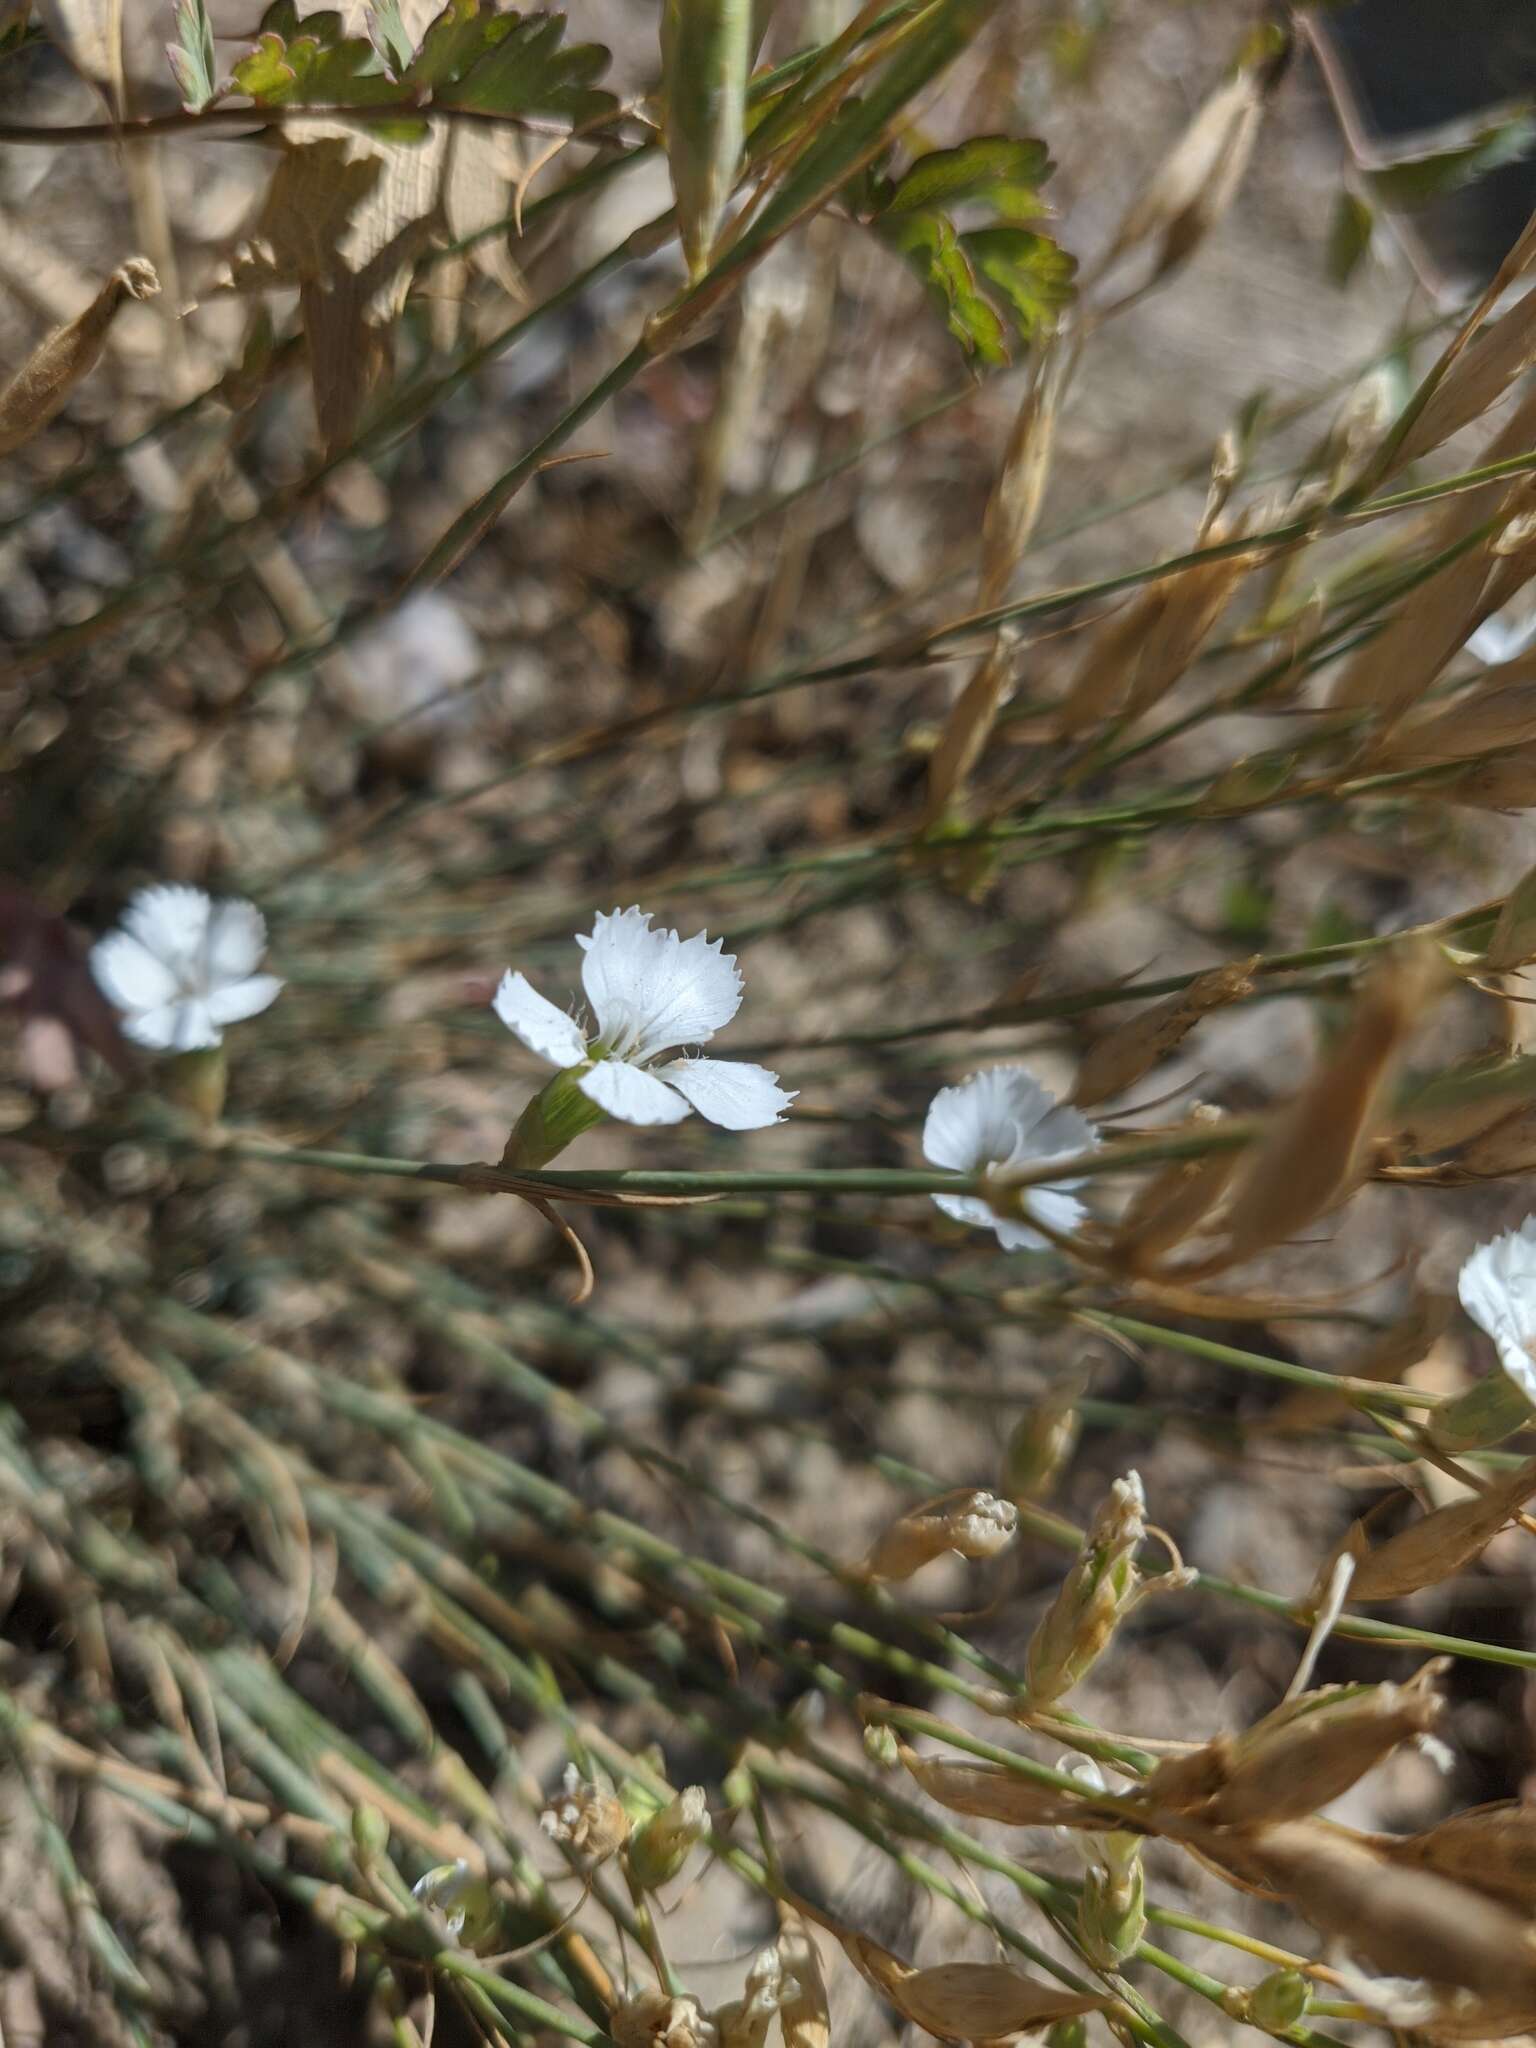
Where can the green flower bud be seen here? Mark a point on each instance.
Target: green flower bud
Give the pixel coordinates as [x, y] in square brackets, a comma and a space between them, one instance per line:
[556, 1116]
[1071, 2033]
[370, 1833]
[881, 1746]
[1112, 1914]
[466, 1902]
[660, 1847]
[1041, 1442]
[1279, 2000]
[197, 1081]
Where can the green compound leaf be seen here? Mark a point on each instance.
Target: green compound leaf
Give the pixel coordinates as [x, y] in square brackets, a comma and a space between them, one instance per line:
[1035, 275]
[994, 170]
[510, 64]
[932, 248]
[307, 70]
[471, 57]
[994, 283]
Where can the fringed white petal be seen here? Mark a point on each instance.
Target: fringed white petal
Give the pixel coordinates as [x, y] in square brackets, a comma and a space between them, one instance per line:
[1497, 1286]
[732, 1094]
[534, 1019]
[650, 990]
[631, 1094]
[236, 940]
[129, 974]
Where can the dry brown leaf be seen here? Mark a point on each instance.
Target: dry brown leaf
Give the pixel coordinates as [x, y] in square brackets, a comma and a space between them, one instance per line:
[993, 1792]
[1438, 1544]
[1476, 381]
[1313, 1749]
[805, 2017]
[1316, 1152]
[965, 2001]
[45, 380]
[1405, 1922]
[1122, 1056]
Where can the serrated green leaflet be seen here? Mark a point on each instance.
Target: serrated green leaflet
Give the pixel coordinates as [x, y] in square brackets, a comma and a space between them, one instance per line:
[1034, 274]
[995, 170]
[306, 71]
[930, 245]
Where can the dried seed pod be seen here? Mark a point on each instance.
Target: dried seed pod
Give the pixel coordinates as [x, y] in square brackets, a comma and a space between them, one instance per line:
[1103, 1585]
[1310, 1750]
[1475, 381]
[653, 2020]
[1041, 1442]
[1173, 1203]
[586, 1817]
[1500, 784]
[993, 1792]
[1494, 716]
[1198, 179]
[43, 383]
[973, 1524]
[1316, 1152]
[1491, 1848]
[1439, 1544]
[1401, 1921]
[804, 2010]
[1513, 941]
[965, 2001]
[1120, 1058]
[1014, 505]
[744, 2021]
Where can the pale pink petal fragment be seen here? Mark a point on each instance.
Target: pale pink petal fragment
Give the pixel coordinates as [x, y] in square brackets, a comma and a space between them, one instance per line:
[631, 1094]
[732, 1094]
[534, 1019]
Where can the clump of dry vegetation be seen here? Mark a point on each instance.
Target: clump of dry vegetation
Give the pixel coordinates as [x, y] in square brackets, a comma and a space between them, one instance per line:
[971, 1504]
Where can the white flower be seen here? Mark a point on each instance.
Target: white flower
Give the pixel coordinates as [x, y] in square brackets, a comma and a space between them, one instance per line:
[1497, 1286]
[649, 991]
[1000, 1119]
[183, 966]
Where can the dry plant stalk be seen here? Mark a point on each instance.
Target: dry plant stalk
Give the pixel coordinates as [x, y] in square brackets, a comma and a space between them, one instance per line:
[1317, 1152]
[1137, 657]
[45, 380]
